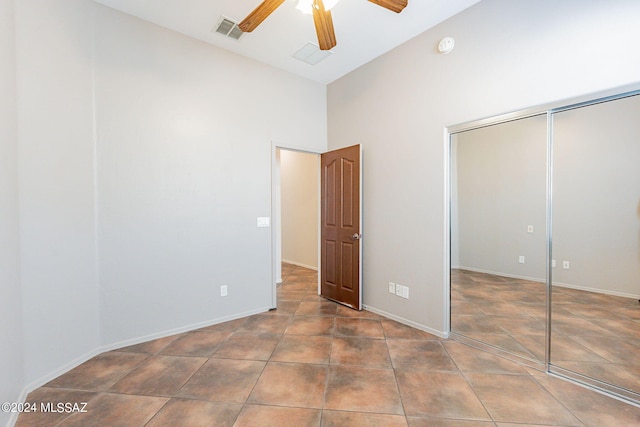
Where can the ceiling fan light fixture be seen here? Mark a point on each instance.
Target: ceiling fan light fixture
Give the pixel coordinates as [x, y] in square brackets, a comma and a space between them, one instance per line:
[306, 6]
[321, 11]
[328, 4]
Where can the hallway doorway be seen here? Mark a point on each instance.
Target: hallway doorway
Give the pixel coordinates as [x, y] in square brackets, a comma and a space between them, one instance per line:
[297, 210]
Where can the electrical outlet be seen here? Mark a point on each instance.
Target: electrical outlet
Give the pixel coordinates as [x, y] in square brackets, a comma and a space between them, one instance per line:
[565, 265]
[401, 291]
[392, 288]
[553, 263]
[521, 259]
[223, 290]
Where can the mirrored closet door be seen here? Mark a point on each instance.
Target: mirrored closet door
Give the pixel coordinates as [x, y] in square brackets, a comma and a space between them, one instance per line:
[545, 239]
[595, 316]
[498, 235]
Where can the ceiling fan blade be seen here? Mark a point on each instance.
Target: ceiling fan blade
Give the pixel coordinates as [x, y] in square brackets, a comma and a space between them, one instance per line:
[393, 5]
[324, 26]
[258, 15]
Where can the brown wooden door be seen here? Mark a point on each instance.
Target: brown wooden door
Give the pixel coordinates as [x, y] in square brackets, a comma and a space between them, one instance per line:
[340, 226]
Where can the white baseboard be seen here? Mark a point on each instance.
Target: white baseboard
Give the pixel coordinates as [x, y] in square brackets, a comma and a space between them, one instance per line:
[596, 290]
[13, 419]
[60, 370]
[299, 264]
[499, 273]
[407, 322]
[180, 330]
[126, 343]
[560, 284]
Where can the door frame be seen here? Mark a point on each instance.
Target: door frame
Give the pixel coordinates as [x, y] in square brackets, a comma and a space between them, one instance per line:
[276, 215]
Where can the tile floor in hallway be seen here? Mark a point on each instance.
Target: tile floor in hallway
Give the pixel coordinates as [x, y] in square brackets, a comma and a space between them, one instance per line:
[312, 362]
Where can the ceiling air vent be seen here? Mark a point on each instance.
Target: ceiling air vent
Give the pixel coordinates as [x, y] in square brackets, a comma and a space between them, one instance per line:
[311, 54]
[228, 28]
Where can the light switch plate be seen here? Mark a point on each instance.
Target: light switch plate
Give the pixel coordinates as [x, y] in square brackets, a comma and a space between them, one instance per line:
[263, 221]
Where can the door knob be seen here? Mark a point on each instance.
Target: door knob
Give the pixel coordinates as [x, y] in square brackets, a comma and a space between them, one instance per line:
[356, 236]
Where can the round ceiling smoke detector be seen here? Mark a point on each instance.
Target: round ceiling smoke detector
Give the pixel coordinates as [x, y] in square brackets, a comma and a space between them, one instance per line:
[446, 45]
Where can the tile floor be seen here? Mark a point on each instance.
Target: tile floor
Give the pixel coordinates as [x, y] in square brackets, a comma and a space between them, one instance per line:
[500, 311]
[316, 363]
[593, 334]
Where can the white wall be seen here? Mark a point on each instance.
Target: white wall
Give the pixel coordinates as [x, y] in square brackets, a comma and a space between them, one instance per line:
[596, 197]
[499, 190]
[185, 133]
[144, 161]
[509, 55]
[299, 175]
[57, 185]
[11, 354]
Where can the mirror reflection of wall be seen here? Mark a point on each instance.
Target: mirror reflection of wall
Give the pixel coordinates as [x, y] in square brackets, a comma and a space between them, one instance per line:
[498, 235]
[595, 320]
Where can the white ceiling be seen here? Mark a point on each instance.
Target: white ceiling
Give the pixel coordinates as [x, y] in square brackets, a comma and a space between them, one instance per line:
[364, 30]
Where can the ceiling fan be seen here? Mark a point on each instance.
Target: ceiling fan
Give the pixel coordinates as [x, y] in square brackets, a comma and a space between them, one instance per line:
[321, 16]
